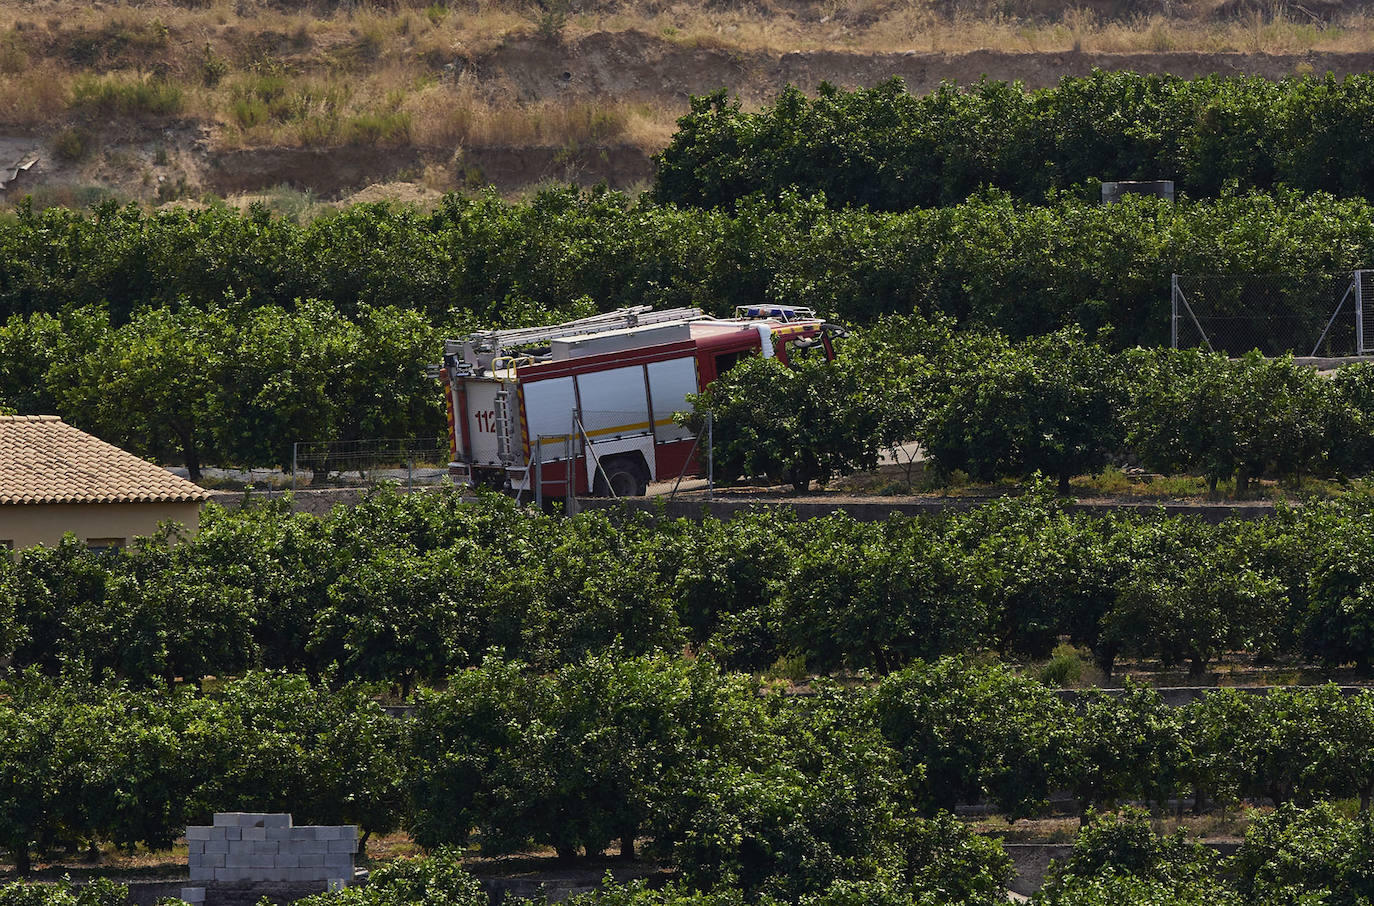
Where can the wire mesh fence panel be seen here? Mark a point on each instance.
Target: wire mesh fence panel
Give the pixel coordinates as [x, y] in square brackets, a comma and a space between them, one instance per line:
[1302, 314]
[364, 463]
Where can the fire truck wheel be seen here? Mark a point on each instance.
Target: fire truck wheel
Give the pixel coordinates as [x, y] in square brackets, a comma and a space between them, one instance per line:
[623, 477]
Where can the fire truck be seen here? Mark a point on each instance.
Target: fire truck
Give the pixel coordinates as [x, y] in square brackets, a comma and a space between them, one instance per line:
[588, 405]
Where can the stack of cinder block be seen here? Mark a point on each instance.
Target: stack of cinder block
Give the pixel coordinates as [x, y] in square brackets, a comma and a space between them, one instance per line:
[253, 846]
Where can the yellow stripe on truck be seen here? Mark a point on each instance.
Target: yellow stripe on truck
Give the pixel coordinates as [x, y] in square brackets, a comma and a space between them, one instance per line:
[614, 429]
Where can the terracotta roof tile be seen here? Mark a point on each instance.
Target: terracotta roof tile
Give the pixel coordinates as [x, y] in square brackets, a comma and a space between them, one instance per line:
[45, 460]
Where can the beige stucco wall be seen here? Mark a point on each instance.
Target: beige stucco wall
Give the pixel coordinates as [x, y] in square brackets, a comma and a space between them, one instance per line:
[28, 524]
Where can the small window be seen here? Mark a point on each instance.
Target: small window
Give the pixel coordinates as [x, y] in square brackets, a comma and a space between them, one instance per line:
[727, 360]
[104, 544]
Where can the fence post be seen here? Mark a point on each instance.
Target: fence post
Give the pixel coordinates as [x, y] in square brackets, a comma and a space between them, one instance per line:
[569, 489]
[1173, 313]
[574, 441]
[295, 449]
[538, 472]
[410, 474]
[710, 454]
[1359, 313]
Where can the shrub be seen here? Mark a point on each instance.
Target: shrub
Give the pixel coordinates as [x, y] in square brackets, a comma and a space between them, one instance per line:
[798, 424]
[1314, 852]
[1052, 404]
[72, 144]
[127, 96]
[1125, 844]
[965, 732]
[377, 128]
[438, 879]
[1201, 412]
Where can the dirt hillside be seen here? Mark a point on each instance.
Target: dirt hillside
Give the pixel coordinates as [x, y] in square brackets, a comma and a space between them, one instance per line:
[162, 102]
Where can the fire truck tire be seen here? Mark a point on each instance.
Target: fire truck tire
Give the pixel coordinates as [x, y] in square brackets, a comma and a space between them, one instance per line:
[624, 476]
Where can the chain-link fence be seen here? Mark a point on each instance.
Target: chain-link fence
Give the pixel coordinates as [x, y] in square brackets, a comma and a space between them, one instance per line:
[1302, 314]
[409, 462]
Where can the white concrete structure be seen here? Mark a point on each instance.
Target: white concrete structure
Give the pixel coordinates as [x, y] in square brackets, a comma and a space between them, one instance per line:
[257, 846]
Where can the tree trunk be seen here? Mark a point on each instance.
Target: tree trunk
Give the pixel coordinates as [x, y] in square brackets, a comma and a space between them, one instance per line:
[191, 453]
[627, 845]
[1242, 482]
[23, 864]
[1105, 656]
[566, 852]
[1064, 485]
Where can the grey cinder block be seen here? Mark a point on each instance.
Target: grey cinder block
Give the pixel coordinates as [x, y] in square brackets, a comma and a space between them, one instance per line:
[266, 847]
[311, 860]
[202, 873]
[195, 847]
[254, 833]
[312, 846]
[193, 894]
[232, 833]
[198, 832]
[278, 819]
[279, 833]
[288, 860]
[237, 860]
[309, 832]
[348, 831]
[327, 832]
[336, 883]
[343, 846]
[216, 846]
[215, 861]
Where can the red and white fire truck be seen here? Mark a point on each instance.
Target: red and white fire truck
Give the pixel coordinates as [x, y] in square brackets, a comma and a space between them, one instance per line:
[589, 403]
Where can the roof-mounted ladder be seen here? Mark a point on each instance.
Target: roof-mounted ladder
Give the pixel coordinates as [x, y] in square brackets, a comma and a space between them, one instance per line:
[497, 341]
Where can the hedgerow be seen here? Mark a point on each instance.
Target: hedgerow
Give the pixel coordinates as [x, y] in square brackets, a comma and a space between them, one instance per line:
[838, 794]
[1061, 404]
[885, 149]
[990, 262]
[406, 589]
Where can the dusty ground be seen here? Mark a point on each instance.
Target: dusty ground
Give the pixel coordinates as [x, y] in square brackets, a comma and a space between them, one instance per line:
[297, 103]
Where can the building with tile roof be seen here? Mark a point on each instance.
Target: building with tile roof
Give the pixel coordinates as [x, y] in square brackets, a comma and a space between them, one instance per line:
[56, 479]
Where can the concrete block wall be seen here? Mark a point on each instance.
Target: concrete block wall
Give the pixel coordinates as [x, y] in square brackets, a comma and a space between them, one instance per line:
[257, 846]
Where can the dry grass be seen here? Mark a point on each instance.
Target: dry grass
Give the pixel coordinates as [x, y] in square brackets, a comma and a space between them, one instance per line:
[33, 97]
[457, 114]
